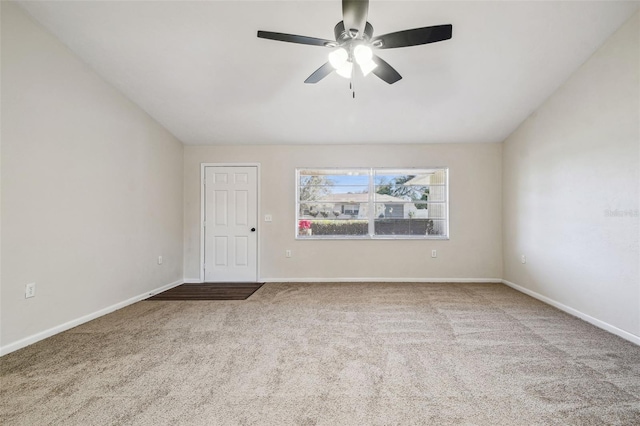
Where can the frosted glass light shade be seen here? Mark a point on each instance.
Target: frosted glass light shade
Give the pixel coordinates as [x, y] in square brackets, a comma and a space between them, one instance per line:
[362, 54]
[338, 58]
[345, 70]
[367, 67]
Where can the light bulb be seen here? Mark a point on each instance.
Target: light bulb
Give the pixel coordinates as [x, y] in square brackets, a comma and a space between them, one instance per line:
[345, 70]
[338, 58]
[362, 54]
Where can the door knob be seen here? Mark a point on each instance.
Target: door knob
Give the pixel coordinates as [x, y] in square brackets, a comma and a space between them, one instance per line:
[253, 229]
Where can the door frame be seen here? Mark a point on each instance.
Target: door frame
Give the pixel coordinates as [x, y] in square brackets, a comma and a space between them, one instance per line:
[203, 177]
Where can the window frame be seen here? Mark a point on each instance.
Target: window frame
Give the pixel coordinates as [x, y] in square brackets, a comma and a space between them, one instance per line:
[371, 173]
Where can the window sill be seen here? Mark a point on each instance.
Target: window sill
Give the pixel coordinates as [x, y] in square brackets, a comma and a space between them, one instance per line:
[369, 237]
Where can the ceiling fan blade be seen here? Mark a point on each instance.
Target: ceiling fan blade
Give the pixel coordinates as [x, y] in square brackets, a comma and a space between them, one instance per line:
[385, 71]
[320, 73]
[413, 37]
[292, 38]
[354, 15]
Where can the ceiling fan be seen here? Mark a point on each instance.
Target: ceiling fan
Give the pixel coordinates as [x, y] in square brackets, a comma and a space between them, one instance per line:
[354, 43]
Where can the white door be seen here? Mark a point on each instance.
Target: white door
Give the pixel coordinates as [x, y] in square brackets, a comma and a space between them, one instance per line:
[231, 218]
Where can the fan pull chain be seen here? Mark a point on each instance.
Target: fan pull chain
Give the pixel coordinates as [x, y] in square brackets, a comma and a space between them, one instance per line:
[353, 91]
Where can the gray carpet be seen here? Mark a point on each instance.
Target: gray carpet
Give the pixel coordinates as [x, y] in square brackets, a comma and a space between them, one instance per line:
[329, 354]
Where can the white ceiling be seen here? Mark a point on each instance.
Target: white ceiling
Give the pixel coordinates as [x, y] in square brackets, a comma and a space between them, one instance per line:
[199, 69]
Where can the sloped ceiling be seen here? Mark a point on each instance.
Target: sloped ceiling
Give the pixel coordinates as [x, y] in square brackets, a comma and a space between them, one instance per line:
[199, 69]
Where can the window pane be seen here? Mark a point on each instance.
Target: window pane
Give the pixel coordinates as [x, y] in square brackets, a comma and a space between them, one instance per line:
[333, 202]
[410, 184]
[438, 228]
[335, 227]
[334, 193]
[334, 184]
[433, 211]
[410, 202]
[417, 227]
[392, 209]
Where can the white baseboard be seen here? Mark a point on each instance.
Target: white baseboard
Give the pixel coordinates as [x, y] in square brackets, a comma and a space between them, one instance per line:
[159, 290]
[365, 280]
[382, 280]
[76, 322]
[576, 313]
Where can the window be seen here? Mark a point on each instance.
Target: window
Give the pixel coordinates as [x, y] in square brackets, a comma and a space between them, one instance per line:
[351, 209]
[372, 203]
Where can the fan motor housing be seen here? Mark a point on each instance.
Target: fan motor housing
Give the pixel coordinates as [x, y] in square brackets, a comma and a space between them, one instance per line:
[343, 35]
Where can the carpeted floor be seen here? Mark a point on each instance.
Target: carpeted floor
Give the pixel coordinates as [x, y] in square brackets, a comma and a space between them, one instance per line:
[329, 354]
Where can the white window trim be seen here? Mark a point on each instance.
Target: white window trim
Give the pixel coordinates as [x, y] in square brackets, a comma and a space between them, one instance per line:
[371, 211]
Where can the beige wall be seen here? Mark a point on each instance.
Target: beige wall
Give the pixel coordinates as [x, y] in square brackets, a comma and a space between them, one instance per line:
[474, 250]
[570, 164]
[91, 188]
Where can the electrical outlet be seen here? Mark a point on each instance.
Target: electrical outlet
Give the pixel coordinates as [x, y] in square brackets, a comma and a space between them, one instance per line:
[523, 259]
[268, 218]
[434, 253]
[159, 260]
[30, 290]
[287, 253]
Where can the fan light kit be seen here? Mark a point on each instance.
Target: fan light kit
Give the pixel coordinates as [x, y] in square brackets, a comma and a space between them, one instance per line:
[342, 61]
[354, 44]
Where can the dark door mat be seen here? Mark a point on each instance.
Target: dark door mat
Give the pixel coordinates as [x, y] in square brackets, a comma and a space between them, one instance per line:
[209, 291]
